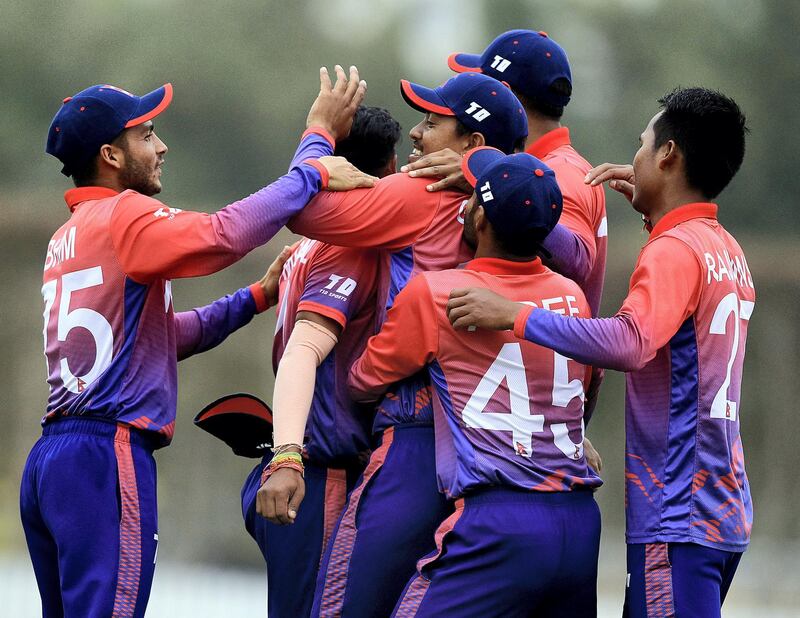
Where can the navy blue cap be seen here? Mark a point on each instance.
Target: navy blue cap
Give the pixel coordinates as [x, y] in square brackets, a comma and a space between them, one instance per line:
[480, 103]
[529, 61]
[96, 116]
[518, 192]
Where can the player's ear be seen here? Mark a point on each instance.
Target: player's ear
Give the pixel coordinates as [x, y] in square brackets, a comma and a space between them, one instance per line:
[668, 154]
[480, 218]
[111, 155]
[476, 140]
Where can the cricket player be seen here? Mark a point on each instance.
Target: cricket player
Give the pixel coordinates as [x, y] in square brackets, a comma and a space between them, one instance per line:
[525, 535]
[538, 71]
[680, 336]
[328, 301]
[394, 510]
[112, 339]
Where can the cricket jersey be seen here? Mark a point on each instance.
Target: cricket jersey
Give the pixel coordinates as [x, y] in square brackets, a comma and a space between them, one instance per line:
[340, 284]
[584, 214]
[681, 336]
[506, 412]
[424, 232]
[111, 337]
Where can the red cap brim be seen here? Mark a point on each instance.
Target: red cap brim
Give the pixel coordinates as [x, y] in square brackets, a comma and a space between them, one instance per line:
[464, 63]
[424, 99]
[478, 159]
[151, 105]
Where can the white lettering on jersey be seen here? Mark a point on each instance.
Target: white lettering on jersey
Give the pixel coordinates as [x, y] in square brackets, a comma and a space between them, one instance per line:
[602, 229]
[567, 305]
[167, 295]
[500, 64]
[722, 266]
[166, 212]
[343, 291]
[477, 112]
[486, 192]
[461, 209]
[61, 249]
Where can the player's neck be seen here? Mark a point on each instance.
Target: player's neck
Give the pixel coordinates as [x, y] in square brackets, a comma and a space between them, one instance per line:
[109, 181]
[489, 249]
[672, 199]
[539, 126]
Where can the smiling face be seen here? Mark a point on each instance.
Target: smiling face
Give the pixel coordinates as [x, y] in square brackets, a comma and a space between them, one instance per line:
[143, 158]
[436, 132]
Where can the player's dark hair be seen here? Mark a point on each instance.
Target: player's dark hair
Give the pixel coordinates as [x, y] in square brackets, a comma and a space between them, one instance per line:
[709, 129]
[372, 140]
[520, 244]
[462, 129]
[86, 175]
[560, 86]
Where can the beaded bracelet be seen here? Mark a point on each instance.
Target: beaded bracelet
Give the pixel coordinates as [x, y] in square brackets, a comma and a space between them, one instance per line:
[269, 470]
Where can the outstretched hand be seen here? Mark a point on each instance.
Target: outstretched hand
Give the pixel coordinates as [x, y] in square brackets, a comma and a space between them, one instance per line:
[444, 164]
[335, 105]
[279, 498]
[343, 175]
[619, 176]
[470, 308]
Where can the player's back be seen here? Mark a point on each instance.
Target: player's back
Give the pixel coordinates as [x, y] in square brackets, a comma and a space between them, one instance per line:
[689, 446]
[102, 327]
[507, 412]
[341, 284]
[584, 211]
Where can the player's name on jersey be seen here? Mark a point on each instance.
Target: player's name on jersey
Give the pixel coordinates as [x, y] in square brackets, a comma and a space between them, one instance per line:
[60, 249]
[723, 266]
[562, 305]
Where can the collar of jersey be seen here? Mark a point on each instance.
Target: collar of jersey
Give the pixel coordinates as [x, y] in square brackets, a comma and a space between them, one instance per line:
[498, 266]
[548, 142]
[695, 210]
[73, 197]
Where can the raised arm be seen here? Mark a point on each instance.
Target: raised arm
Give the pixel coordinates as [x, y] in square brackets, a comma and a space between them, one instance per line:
[408, 340]
[391, 215]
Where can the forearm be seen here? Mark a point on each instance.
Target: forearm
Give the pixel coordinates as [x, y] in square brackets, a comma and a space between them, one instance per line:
[158, 242]
[611, 343]
[206, 327]
[295, 380]
[254, 220]
[570, 257]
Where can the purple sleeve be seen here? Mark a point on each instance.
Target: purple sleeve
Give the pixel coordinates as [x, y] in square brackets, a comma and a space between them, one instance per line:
[153, 241]
[206, 327]
[254, 220]
[569, 254]
[612, 343]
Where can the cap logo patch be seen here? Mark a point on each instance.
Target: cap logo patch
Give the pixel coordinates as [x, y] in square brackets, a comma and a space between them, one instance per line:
[486, 192]
[477, 112]
[500, 64]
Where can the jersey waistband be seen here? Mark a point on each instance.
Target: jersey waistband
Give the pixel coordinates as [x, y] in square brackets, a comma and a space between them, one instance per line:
[101, 428]
[489, 495]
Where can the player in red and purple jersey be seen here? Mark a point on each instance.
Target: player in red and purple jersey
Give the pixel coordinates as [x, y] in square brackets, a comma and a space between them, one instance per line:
[525, 534]
[112, 339]
[397, 504]
[681, 336]
[328, 298]
[537, 70]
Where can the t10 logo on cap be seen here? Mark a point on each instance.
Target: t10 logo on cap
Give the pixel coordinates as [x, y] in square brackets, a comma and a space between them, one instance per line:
[477, 112]
[500, 64]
